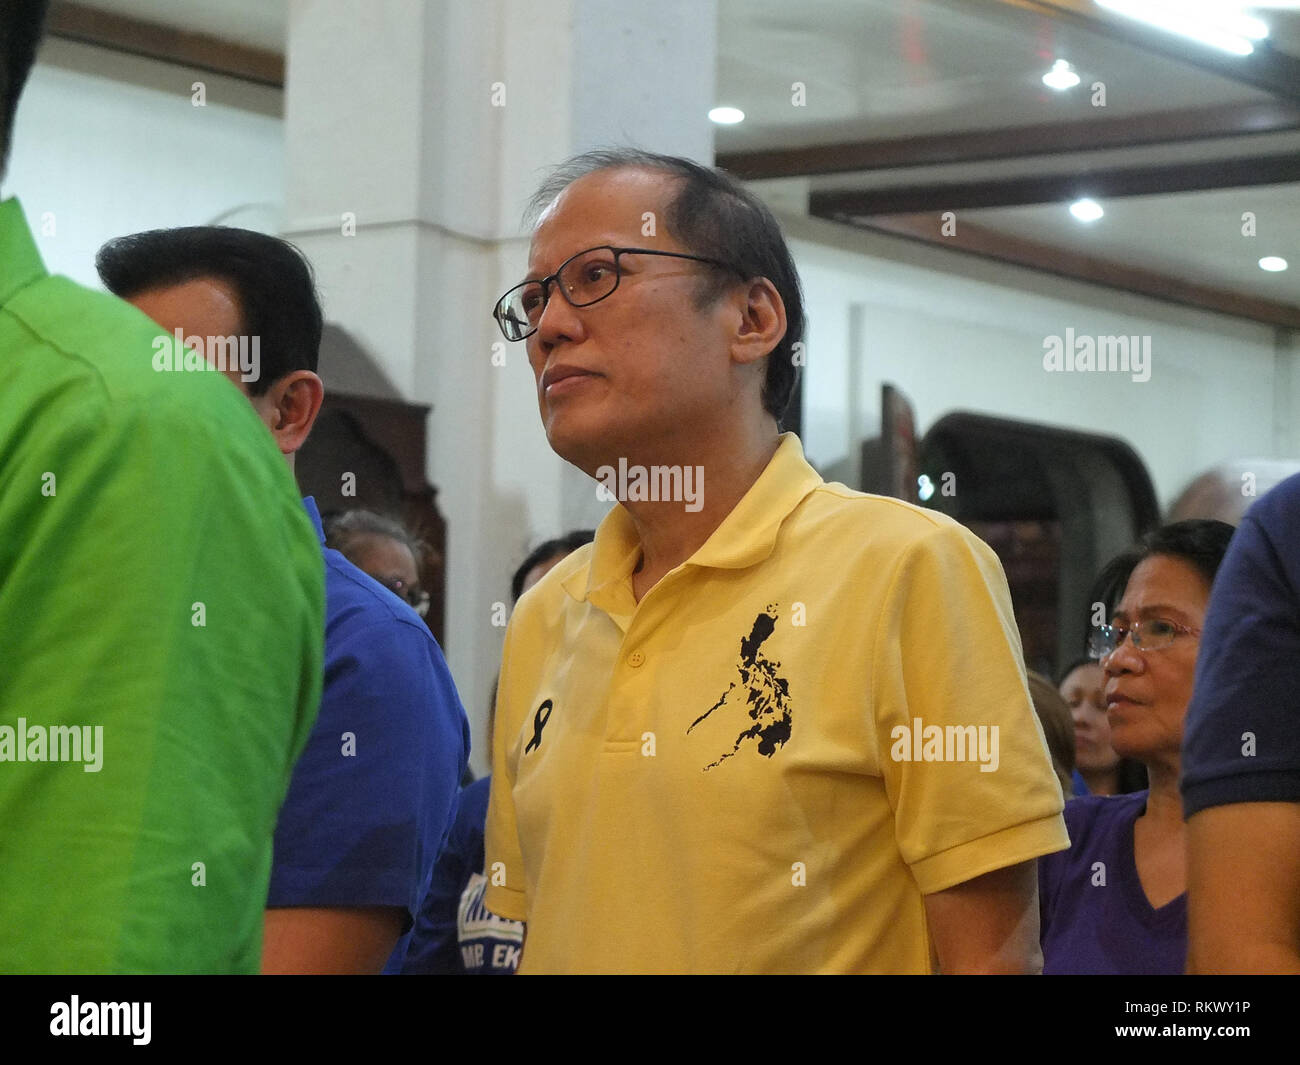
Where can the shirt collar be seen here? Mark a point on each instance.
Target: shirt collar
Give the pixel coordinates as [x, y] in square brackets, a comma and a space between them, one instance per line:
[746, 536]
[309, 505]
[20, 262]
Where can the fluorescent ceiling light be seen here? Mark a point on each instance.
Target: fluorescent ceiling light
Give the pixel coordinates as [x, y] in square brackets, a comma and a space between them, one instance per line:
[1218, 23]
[726, 116]
[1086, 210]
[1273, 263]
[1061, 76]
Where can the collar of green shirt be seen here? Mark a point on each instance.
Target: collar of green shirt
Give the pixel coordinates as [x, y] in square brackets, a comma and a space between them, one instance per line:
[746, 536]
[20, 262]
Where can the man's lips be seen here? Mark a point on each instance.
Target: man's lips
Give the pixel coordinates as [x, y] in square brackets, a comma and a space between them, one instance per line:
[1119, 699]
[556, 374]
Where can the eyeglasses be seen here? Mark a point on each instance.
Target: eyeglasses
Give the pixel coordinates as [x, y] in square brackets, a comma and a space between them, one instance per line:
[1151, 634]
[417, 597]
[585, 278]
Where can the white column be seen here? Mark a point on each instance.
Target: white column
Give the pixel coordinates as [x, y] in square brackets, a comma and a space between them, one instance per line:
[431, 123]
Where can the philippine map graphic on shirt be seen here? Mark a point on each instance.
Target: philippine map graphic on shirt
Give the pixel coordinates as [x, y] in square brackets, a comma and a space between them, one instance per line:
[760, 690]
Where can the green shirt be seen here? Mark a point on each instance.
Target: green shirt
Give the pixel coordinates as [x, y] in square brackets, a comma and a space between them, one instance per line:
[161, 629]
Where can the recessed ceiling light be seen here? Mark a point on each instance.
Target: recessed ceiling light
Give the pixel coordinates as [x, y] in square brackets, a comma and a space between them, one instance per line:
[1273, 264]
[726, 116]
[1213, 22]
[1086, 210]
[1061, 76]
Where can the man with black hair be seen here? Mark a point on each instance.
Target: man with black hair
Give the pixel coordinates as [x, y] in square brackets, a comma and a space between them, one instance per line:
[704, 756]
[370, 799]
[161, 619]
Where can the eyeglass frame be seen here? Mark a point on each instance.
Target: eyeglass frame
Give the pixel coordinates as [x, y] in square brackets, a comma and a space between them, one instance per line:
[1125, 632]
[546, 282]
[421, 607]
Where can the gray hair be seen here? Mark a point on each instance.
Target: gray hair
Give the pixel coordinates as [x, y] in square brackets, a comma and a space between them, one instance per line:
[343, 530]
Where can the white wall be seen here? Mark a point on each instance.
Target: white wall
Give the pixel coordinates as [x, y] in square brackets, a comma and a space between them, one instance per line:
[956, 333]
[112, 144]
[107, 144]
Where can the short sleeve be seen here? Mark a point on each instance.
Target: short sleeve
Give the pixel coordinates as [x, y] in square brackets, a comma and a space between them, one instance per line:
[434, 947]
[1242, 732]
[965, 763]
[503, 867]
[371, 797]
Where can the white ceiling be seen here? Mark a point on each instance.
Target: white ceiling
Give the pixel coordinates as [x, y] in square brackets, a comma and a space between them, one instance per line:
[879, 69]
[1153, 232]
[883, 69]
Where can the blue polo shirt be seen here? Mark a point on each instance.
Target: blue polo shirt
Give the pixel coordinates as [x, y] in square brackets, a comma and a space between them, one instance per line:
[371, 797]
[1241, 740]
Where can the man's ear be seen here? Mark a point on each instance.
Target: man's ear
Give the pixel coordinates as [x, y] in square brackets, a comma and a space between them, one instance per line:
[761, 323]
[289, 408]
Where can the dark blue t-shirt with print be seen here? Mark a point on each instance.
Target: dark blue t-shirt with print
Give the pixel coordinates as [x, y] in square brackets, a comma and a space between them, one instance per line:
[455, 933]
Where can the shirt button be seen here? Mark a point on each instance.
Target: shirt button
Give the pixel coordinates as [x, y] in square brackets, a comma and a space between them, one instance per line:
[635, 659]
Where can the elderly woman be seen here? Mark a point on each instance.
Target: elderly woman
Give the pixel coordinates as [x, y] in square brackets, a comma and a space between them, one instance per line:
[1116, 902]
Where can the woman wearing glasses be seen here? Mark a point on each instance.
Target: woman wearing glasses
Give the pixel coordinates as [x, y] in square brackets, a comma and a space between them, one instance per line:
[1116, 902]
[382, 548]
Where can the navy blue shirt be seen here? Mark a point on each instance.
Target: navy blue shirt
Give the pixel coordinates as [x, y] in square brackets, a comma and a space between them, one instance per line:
[371, 797]
[1241, 738]
[455, 933]
[1094, 916]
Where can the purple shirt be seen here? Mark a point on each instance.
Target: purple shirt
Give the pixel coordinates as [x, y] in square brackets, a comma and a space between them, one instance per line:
[1095, 917]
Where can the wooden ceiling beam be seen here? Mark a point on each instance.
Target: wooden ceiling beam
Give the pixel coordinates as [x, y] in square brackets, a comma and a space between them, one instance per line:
[979, 240]
[120, 33]
[1048, 138]
[1098, 183]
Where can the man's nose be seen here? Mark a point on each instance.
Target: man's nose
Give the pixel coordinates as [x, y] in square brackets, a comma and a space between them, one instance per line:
[559, 320]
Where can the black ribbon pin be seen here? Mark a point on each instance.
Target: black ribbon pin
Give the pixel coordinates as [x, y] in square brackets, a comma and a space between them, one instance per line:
[540, 718]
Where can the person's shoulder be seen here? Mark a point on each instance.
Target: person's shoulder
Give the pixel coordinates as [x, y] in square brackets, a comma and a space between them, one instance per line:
[549, 595]
[106, 346]
[1282, 498]
[831, 501]
[1278, 512]
[386, 639]
[877, 527]
[359, 605]
[1093, 815]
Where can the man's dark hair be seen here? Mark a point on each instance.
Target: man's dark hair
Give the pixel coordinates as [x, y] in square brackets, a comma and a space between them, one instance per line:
[271, 278]
[21, 24]
[1200, 542]
[563, 545]
[715, 216]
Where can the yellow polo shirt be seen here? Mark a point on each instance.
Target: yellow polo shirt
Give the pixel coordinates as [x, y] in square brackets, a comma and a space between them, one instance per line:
[765, 764]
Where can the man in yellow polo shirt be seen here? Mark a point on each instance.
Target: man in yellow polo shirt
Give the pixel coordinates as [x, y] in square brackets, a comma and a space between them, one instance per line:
[763, 723]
